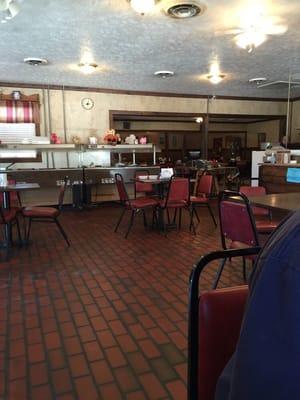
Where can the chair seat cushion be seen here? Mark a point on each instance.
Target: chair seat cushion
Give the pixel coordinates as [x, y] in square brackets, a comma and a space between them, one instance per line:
[143, 202]
[173, 204]
[240, 245]
[46, 212]
[265, 226]
[199, 200]
[9, 215]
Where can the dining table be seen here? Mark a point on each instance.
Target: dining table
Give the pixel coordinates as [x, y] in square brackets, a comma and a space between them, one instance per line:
[278, 201]
[15, 187]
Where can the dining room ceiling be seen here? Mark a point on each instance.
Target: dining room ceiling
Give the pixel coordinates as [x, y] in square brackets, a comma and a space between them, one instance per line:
[128, 48]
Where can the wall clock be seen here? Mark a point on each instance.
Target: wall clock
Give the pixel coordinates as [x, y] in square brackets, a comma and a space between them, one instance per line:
[87, 103]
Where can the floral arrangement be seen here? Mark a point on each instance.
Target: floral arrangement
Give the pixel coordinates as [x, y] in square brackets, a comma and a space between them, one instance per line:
[110, 136]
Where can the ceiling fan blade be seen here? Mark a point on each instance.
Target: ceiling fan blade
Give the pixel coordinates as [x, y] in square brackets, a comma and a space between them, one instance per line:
[229, 32]
[276, 29]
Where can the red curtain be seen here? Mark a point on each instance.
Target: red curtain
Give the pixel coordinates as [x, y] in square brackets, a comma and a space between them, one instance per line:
[19, 111]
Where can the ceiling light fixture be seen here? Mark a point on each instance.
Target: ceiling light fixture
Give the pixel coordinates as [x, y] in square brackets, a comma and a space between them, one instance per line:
[142, 6]
[184, 8]
[9, 9]
[215, 75]
[199, 120]
[87, 68]
[164, 74]
[250, 39]
[215, 79]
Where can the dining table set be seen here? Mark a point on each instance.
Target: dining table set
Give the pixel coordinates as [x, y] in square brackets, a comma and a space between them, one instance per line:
[11, 210]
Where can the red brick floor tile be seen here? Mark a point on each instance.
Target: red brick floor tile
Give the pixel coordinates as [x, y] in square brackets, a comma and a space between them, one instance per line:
[152, 386]
[126, 379]
[106, 338]
[17, 390]
[93, 351]
[36, 353]
[139, 395]
[56, 359]
[115, 357]
[41, 392]
[17, 368]
[52, 340]
[103, 319]
[38, 374]
[110, 391]
[101, 372]
[72, 346]
[61, 381]
[86, 389]
[149, 348]
[177, 389]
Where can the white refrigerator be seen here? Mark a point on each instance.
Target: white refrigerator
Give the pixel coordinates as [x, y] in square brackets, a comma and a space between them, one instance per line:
[257, 158]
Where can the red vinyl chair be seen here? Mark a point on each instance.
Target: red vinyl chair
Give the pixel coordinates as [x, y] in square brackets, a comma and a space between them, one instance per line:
[237, 226]
[177, 198]
[8, 219]
[141, 187]
[47, 214]
[135, 206]
[264, 223]
[202, 194]
[213, 330]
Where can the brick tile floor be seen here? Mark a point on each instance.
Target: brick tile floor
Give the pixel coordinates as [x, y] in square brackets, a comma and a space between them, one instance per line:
[105, 319]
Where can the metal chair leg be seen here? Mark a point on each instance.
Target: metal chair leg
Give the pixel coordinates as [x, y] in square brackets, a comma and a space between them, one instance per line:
[212, 214]
[197, 216]
[175, 216]
[168, 215]
[19, 232]
[62, 231]
[130, 223]
[8, 241]
[244, 270]
[192, 225]
[120, 219]
[28, 230]
[180, 218]
[219, 273]
[144, 218]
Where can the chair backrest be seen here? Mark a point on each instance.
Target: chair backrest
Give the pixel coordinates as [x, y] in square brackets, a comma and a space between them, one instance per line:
[204, 185]
[220, 318]
[178, 190]
[61, 193]
[255, 191]
[141, 186]
[123, 196]
[236, 219]
[214, 324]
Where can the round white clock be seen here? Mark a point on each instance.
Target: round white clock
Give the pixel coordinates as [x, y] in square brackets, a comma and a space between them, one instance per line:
[87, 103]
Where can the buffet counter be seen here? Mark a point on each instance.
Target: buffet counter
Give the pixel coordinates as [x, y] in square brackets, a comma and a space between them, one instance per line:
[274, 178]
[101, 180]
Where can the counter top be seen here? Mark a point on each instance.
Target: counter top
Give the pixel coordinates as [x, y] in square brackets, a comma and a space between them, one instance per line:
[281, 165]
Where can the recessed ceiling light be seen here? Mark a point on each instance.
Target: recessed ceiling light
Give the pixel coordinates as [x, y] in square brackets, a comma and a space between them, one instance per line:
[215, 79]
[257, 80]
[87, 68]
[142, 6]
[184, 8]
[164, 74]
[35, 61]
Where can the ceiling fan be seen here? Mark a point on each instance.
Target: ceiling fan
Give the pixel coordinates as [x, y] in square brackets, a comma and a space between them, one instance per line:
[8, 10]
[255, 30]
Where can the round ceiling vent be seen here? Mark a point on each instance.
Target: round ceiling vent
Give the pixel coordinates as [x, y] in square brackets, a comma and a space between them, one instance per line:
[35, 61]
[184, 8]
[164, 74]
